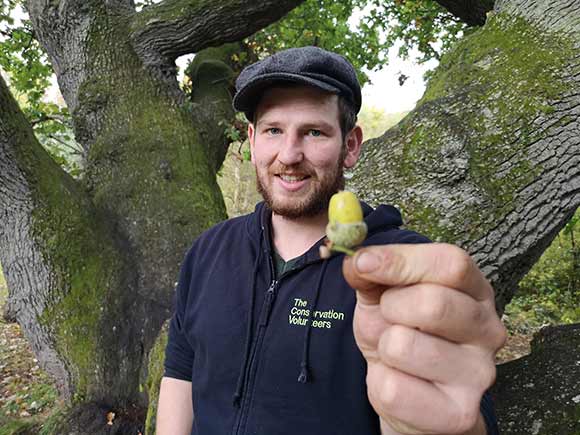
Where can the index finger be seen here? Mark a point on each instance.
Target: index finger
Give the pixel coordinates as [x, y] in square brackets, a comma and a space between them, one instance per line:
[381, 266]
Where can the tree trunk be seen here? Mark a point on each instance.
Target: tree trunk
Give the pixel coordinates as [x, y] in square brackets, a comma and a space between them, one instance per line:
[540, 393]
[490, 158]
[91, 263]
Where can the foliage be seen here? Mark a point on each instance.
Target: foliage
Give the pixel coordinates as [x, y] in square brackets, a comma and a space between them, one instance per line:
[31, 400]
[548, 294]
[420, 24]
[416, 24]
[375, 121]
[527, 313]
[29, 73]
[558, 269]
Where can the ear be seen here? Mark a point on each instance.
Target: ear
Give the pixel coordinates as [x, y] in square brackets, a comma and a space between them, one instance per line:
[251, 140]
[353, 145]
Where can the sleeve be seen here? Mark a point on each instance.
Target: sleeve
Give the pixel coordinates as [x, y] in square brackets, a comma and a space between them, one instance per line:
[179, 353]
[488, 412]
[397, 235]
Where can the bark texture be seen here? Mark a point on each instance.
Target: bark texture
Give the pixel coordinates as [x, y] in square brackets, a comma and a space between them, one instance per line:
[163, 32]
[540, 393]
[490, 158]
[472, 12]
[91, 263]
[65, 271]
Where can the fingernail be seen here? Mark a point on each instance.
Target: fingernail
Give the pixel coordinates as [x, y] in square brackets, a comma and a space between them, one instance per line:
[367, 262]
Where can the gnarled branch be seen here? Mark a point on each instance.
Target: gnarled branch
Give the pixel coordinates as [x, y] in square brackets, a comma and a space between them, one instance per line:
[489, 159]
[169, 29]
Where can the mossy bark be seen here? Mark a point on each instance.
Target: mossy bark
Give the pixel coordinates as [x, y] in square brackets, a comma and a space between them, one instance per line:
[156, 370]
[489, 159]
[91, 264]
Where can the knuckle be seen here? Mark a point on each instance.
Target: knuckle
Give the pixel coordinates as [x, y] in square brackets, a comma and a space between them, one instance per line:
[433, 306]
[366, 333]
[476, 313]
[459, 264]
[390, 393]
[500, 337]
[394, 265]
[485, 376]
[396, 345]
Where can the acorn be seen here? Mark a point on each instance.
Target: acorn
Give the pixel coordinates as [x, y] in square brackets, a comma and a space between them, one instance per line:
[346, 228]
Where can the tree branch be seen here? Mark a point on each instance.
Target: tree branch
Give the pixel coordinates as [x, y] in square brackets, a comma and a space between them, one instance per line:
[169, 29]
[471, 12]
[489, 158]
[73, 150]
[46, 117]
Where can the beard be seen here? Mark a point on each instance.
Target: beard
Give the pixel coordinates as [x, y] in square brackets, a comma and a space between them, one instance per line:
[317, 198]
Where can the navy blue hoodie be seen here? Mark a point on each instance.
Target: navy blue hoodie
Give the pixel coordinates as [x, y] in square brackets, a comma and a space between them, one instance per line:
[271, 355]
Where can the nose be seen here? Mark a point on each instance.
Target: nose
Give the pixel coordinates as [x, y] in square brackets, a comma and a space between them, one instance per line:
[291, 152]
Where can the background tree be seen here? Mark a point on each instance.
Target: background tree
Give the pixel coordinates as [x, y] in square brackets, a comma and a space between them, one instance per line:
[90, 263]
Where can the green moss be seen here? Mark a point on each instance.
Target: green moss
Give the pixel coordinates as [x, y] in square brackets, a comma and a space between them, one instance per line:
[148, 158]
[148, 172]
[512, 71]
[85, 266]
[156, 370]
[427, 220]
[151, 192]
[487, 95]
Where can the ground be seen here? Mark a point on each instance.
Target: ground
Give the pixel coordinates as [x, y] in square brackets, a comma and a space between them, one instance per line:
[518, 345]
[27, 394]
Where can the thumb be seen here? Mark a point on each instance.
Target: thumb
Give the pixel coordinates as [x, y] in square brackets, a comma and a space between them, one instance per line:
[355, 270]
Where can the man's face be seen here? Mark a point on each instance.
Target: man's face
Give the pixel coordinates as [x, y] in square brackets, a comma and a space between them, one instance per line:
[298, 150]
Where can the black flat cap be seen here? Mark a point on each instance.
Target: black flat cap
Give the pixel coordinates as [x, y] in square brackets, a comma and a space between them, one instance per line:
[311, 66]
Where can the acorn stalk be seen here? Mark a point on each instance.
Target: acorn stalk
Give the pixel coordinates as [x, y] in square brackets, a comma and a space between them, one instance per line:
[346, 228]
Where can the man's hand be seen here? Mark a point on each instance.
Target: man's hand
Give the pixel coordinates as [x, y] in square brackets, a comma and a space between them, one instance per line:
[426, 324]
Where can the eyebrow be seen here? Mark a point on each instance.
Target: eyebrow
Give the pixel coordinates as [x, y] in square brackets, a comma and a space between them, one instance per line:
[309, 125]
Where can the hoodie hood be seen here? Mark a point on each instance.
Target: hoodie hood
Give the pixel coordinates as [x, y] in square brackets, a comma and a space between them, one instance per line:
[384, 217]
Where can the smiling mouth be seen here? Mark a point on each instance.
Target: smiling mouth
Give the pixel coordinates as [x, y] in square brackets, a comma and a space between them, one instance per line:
[292, 178]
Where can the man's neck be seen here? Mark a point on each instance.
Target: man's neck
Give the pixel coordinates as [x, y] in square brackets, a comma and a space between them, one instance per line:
[293, 237]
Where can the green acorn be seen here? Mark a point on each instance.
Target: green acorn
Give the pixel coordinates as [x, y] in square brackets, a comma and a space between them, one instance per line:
[346, 228]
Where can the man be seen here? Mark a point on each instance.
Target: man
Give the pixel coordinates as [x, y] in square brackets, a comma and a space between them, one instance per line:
[268, 338]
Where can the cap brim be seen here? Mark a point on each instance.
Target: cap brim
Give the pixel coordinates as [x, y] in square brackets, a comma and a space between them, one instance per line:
[248, 97]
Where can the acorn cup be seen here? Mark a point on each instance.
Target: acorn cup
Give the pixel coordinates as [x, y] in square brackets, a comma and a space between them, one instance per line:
[346, 228]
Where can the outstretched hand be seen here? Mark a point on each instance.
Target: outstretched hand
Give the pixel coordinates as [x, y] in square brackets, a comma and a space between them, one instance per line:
[425, 321]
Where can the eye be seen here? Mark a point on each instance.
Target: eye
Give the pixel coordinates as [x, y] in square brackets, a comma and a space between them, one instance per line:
[273, 131]
[314, 132]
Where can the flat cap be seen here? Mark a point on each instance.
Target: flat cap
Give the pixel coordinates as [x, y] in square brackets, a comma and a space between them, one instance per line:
[311, 66]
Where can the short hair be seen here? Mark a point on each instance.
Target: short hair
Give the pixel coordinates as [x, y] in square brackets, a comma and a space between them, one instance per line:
[347, 115]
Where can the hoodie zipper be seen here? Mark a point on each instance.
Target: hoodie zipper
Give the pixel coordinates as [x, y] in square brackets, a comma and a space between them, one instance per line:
[250, 375]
